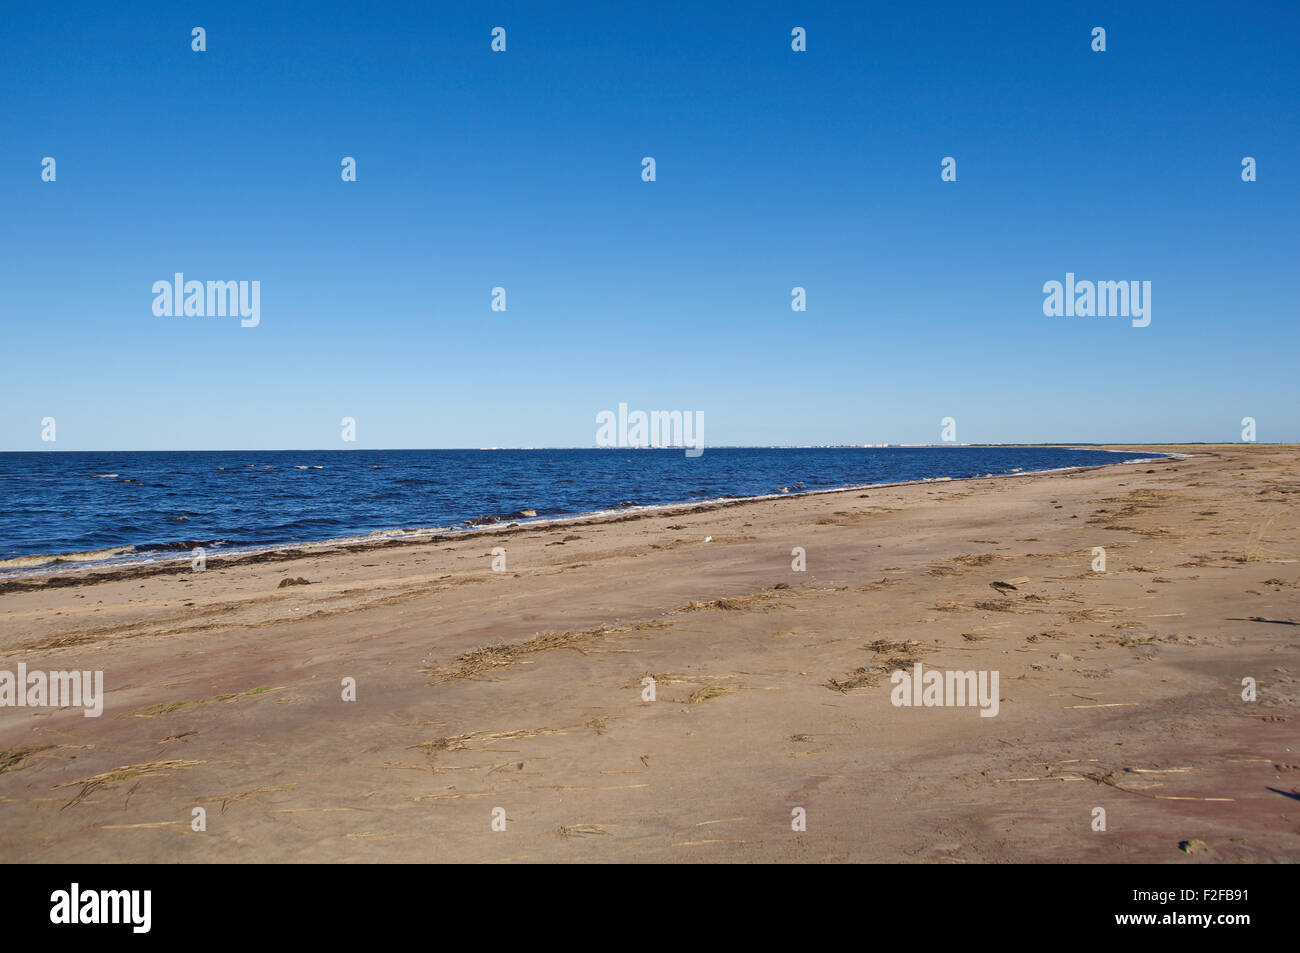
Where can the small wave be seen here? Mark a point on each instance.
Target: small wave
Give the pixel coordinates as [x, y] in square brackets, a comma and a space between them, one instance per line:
[179, 546]
[55, 559]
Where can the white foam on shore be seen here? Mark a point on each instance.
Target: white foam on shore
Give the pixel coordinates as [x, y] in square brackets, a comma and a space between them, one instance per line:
[96, 555]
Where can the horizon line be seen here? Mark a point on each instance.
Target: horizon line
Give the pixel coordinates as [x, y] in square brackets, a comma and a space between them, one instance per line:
[818, 446]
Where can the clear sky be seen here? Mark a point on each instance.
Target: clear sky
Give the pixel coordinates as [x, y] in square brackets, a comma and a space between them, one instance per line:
[522, 169]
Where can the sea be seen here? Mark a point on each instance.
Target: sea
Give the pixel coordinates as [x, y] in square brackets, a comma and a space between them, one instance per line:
[67, 510]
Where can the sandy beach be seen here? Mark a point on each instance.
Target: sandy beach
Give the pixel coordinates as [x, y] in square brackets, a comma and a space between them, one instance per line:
[525, 689]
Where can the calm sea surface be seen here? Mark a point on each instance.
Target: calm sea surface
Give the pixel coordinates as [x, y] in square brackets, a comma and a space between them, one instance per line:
[134, 504]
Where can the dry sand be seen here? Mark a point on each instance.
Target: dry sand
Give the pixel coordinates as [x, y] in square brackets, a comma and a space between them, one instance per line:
[1120, 690]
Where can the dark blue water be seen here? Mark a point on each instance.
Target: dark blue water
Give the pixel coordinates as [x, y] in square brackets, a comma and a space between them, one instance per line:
[161, 503]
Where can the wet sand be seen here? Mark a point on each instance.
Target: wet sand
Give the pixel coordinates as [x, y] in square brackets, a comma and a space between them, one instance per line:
[523, 689]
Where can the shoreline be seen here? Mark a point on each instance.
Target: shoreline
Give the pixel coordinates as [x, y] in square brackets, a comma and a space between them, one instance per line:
[127, 565]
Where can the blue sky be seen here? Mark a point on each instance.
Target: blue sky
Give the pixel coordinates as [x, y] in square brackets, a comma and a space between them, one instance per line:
[523, 170]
